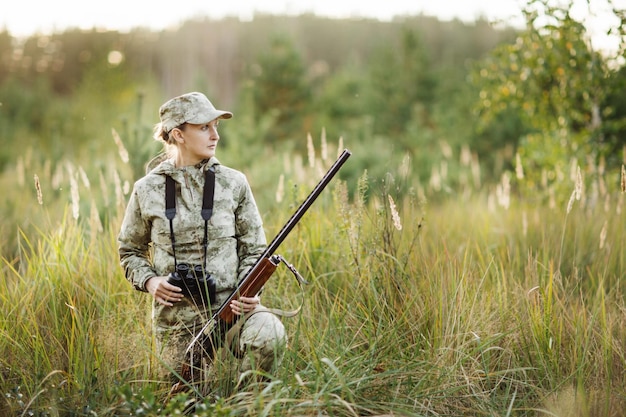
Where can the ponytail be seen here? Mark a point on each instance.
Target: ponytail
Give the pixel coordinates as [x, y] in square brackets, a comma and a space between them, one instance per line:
[161, 135]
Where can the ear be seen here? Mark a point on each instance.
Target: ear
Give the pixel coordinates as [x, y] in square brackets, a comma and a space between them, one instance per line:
[177, 135]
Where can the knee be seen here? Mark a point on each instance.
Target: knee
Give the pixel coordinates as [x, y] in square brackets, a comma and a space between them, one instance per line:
[263, 331]
[263, 344]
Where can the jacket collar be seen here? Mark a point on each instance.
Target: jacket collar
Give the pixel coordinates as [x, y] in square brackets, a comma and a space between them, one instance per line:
[167, 167]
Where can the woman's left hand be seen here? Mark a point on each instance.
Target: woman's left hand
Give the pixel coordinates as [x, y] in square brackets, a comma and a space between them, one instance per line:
[245, 305]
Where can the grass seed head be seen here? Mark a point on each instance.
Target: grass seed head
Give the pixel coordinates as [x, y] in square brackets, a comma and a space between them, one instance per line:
[395, 216]
[38, 188]
[75, 197]
[310, 150]
[120, 146]
[579, 184]
[84, 178]
[280, 191]
[570, 203]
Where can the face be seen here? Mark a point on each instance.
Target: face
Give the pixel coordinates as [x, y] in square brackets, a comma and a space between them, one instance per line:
[196, 142]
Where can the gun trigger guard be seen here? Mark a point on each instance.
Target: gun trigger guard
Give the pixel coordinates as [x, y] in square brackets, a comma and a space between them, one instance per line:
[293, 270]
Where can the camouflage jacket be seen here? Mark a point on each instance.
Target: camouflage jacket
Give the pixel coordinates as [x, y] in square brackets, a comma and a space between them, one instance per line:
[235, 231]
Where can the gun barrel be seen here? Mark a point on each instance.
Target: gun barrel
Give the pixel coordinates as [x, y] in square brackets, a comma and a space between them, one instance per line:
[295, 218]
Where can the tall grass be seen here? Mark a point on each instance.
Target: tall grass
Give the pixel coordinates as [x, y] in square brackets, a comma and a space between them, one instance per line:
[474, 303]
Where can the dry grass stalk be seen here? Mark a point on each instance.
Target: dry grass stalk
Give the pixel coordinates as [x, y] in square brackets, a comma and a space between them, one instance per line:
[119, 194]
[280, 191]
[340, 146]
[570, 203]
[578, 190]
[298, 169]
[623, 183]
[57, 177]
[120, 146]
[394, 213]
[84, 178]
[38, 188]
[310, 150]
[466, 156]
[519, 169]
[435, 179]
[503, 191]
[579, 184]
[94, 221]
[603, 234]
[75, 197]
[105, 189]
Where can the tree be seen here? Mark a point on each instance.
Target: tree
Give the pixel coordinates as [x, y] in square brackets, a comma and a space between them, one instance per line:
[401, 80]
[280, 87]
[557, 85]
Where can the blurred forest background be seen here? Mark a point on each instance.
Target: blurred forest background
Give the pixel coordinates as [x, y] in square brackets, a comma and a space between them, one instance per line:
[414, 87]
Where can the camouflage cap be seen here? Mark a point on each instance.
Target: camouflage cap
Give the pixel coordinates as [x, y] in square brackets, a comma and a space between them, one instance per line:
[192, 108]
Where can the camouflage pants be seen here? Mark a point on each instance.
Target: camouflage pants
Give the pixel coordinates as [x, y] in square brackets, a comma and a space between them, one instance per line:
[256, 342]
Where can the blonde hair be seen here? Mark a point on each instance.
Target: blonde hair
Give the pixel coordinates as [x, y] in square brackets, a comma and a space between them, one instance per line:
[169, 144]
[161, 135]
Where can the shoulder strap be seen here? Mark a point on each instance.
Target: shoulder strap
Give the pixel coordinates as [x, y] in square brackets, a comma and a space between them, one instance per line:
[170, 197]
[208, 194]
[170, 210]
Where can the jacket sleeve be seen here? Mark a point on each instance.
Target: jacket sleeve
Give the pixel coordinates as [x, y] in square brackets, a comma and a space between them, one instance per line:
[251, 241]
[134, 244]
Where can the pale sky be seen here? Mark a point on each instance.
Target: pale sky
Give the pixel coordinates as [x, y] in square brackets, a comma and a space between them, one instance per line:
[24, 17]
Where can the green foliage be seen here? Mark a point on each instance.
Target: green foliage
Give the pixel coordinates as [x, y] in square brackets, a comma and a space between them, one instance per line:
[552, 88]
[401, 79]
[614, 120]
[280, 89]
[341, 104]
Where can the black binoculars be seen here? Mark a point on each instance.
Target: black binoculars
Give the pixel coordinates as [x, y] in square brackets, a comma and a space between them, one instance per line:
[193, 281]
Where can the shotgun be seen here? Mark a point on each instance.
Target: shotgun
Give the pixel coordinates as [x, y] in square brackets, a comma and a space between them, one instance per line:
[262, 270]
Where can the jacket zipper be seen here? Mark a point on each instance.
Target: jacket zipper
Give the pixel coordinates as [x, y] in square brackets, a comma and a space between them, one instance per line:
[187, 183]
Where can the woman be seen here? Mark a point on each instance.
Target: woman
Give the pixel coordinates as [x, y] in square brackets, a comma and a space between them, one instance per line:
[221, 237]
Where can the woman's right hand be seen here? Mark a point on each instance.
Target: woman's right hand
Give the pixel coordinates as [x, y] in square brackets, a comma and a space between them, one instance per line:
[164, 292]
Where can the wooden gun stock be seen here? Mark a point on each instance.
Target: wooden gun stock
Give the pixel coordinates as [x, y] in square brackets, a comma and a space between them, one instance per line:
[254, 282]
